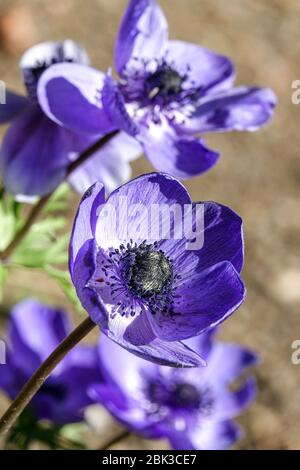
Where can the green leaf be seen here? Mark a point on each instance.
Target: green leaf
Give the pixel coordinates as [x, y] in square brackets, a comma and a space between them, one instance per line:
[59, 200]
[64, 280]
[45, 244]
[42, 246]
[28, 429]
[74, 432]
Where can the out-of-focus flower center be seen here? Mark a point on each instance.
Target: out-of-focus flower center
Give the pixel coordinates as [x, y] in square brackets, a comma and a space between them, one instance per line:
[185, 395]
[146, 271]
[175, 395]
[179, 395]
[165, 83]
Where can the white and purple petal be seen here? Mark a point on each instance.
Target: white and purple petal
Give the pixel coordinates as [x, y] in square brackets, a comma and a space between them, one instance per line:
[85, 221]
[144, 191]
[139, 338]
[237, 360]
[43, 55]
[143, 34]
[222, 238]
[71, 95]
[122, 368]
[204, 71]
[181, 156]
[216, 236]
[203, 300]
[240, 109]
[115, 108]
[82, 252]
[230, 404]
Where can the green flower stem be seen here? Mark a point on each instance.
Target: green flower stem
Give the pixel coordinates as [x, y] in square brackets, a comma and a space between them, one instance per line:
[39, 206]
[38, 378]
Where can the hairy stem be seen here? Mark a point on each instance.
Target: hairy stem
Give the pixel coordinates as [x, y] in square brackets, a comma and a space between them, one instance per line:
[38, 378]
[38, 207]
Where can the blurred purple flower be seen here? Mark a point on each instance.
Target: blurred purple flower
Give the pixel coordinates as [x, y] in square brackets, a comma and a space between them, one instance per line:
[34, 332]
[149, 295]
[36, 151]
[192, 408]
[168, 92]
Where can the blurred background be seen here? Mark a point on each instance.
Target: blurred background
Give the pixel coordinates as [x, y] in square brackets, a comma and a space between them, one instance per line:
[258, 176]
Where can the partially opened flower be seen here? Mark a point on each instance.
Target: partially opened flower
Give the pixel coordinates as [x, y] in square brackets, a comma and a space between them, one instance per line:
[168, 93]
[147, 278]
[34, 332]
[36, 151]
[192, 408]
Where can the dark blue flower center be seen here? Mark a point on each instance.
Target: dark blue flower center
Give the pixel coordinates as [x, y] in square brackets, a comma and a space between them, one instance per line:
[57, 391]
[146, 271]
[165, 83]
[178, 395]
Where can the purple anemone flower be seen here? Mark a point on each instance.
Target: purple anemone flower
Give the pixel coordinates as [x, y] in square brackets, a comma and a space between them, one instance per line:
[34, 332]
[139, 278]
[192, 408]
[36, 151]
[168, 92]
